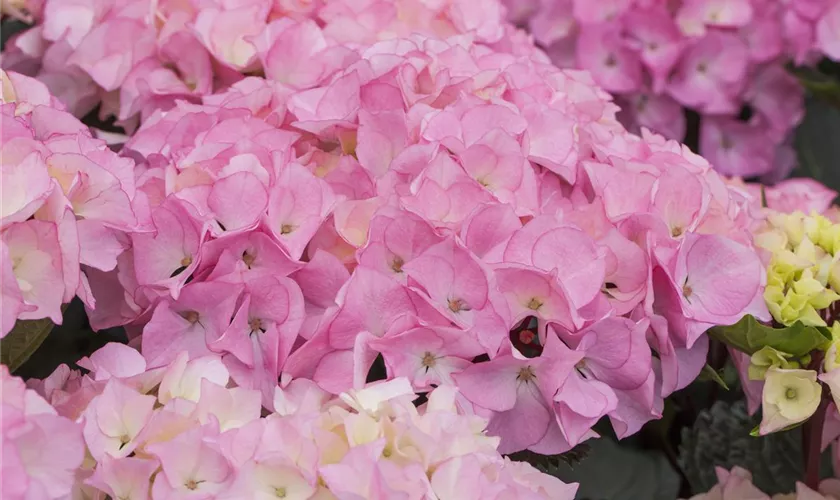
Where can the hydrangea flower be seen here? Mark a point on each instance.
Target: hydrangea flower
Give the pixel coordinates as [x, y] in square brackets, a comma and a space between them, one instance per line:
[479, 219]
[163, 52]
[430, 189]
[737, 484]
[68, 204]
[181, 431]
[722, 59]
[42, 450]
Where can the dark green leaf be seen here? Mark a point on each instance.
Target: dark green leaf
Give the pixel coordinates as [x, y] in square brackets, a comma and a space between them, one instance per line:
[22, 341]
[720, 437]
[9, 28]
[619, 471]
[819, 84]
[709, 373]
[748, 335]
[548, 462]
[817, 147]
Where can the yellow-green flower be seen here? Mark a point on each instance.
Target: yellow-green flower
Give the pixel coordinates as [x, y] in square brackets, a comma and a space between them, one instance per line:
[766, 358]
[803, 273]
[792, 224]
[788, 308]
[789, 397]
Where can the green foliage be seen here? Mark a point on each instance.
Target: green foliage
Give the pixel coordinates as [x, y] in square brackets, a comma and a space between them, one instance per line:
[819, 84]
[710, 374]
[817, 147]
[748, 335]
[618, 471]
[546, 463]
[22, 341]
[721, 437]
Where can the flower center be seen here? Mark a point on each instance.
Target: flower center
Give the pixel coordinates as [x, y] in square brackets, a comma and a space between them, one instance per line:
[397, 263]
[790, 393]
[186, 261]
[677, 231]
[526, 336]
[248, 259]
[256, 325]
[191, 316]
[458, 305]
[534, 304]
[386, 452]
[280, 492]
[191, 485]
[687, 291]
[286, 229]
[428, 360]
[526, 374]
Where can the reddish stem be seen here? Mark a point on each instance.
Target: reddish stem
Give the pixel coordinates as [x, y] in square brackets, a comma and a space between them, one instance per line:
[812, 432]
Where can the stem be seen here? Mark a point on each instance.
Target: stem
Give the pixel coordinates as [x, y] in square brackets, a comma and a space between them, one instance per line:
[812, 432]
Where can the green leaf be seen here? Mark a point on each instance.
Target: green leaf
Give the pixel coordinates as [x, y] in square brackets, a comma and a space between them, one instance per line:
[22, 341]
[709, 373]
[819, 84]
[545, 463]
[817, 147]
[614, 470]
[720, 437]
[748, 335]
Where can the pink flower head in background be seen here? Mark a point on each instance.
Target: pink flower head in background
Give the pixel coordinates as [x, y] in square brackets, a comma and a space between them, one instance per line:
[723, 59]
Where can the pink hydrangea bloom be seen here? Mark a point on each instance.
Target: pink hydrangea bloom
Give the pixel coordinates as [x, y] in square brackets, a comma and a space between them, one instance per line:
[41, 450]
[69, 204]
[181, 432]
[168, 51]
[433, 190]
[724, 59]
[737, 484]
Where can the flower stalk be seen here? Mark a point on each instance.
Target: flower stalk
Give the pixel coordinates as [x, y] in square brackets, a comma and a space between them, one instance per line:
[812, 432]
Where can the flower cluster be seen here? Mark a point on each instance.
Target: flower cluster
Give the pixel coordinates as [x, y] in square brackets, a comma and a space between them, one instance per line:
[722, 59]
[179, 431]
[802, 272]
[791, 195]
[420, 204]
[67, 201]
[737, 485]
[787, 363]
[41, 450]
[134, 56]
